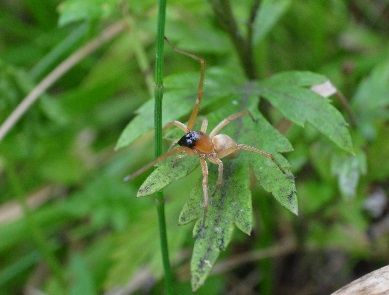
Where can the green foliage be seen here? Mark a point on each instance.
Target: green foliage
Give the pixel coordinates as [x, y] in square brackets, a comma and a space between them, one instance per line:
[349, 169]
[229, 206]
[105, 238]
[371, 99]
[81, 10]
[269, 12]
[288, 94]
[167, 172]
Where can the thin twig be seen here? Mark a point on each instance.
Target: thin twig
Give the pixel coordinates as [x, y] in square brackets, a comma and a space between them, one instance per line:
[251, 21]
[108, 34]
[244, 46]
[345, 104]
[13, 210]
[223, 12]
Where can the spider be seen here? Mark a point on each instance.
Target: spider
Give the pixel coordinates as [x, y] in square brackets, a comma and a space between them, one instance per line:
[212, 147]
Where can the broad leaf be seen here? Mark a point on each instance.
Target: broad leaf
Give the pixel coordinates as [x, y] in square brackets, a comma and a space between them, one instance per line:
[231, 205]
[301, 105]
[269, 14]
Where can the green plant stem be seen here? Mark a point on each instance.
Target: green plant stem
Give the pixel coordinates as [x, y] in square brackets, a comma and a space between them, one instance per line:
[36, 233]
[158, 141]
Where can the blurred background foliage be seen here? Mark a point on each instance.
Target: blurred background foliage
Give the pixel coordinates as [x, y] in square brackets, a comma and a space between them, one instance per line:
[68, 224]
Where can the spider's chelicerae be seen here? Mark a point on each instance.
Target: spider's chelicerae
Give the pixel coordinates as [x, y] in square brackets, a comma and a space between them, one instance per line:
[212, 147]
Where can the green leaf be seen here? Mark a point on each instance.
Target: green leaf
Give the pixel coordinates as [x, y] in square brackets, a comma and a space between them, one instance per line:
[263, 135]
[228, 206]
[349, 169]
[231, 205]
[269, 14]
[371, 100]
[296, 78]
[170, 170]
[377, 156]
[77, 10]
[301, 105]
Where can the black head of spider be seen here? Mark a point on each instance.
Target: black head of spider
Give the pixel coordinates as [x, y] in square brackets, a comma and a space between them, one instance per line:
[189, 140]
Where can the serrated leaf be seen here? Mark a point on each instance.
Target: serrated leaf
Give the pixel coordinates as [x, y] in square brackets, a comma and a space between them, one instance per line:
[273, 180]
[77, 10]
[301, 105]
[168, 171]
[281, 184]
[228, 206]
[269, 14]
[232, 204]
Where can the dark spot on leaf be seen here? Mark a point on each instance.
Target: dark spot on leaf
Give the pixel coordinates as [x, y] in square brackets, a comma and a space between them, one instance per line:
[291, 195]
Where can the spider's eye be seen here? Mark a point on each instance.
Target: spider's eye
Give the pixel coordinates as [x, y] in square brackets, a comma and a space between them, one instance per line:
[189, 139]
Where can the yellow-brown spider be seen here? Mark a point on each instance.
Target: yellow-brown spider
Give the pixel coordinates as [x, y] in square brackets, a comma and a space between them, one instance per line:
[212, 147]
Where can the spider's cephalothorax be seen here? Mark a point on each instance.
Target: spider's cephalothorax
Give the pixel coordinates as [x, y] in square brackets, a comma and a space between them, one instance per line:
[197, 141]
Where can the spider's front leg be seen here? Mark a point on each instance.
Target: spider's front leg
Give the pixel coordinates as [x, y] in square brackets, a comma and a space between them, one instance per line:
[177, 124]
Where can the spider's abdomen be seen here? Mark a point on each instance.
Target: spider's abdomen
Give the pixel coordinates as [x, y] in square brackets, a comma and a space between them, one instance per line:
[222, 142]
[197, 141]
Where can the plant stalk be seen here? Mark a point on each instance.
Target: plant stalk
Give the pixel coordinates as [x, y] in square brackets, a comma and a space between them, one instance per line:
[158, 142]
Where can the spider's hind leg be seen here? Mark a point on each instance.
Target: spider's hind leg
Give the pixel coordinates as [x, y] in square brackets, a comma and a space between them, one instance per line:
[220, 169]
[248, 148]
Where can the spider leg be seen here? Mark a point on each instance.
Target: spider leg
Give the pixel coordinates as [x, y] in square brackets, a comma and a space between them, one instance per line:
[200, 88]
[178, 124]
[204, 126]
[204, 169]
[261, 152]
[248, 148]
[169, 153]
[227, 121]
[219, 163]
